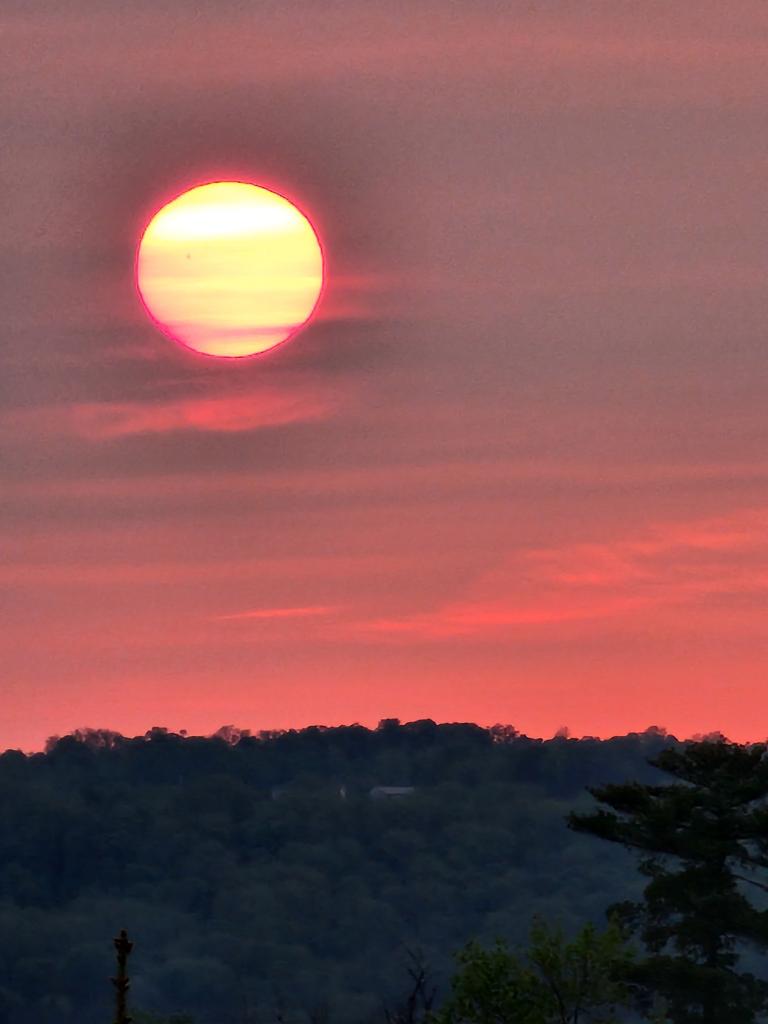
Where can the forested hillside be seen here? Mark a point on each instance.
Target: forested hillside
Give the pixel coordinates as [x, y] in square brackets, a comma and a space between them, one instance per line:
[260, 876]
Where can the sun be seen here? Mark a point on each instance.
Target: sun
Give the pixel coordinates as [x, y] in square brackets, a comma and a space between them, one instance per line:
[230, 269]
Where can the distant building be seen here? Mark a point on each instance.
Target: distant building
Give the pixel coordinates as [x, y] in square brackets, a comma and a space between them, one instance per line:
[387, 792]
[288, 789]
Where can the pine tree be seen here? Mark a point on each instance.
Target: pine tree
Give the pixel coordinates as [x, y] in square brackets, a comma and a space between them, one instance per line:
[702, 841]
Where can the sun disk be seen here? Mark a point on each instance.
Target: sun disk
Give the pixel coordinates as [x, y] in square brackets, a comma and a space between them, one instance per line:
[230, 269]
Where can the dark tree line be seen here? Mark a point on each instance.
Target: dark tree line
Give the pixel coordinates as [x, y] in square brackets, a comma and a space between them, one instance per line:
[284, 877]
[266, 881]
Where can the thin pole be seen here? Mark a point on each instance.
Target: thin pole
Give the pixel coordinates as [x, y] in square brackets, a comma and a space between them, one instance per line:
[121, 980]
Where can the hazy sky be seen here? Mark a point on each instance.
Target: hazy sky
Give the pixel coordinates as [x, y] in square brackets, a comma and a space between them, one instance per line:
[516, 470]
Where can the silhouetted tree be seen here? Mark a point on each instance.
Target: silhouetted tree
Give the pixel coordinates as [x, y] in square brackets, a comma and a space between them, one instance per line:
[121, 980]
[417, 1004]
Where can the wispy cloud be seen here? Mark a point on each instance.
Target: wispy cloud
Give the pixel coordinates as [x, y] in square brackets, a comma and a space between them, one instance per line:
[310, 611]
[527, 47]
[222, 413]
[668, 564]
[446, 477]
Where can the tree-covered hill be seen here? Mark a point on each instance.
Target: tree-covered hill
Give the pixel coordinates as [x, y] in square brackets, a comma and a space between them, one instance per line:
[260, 875]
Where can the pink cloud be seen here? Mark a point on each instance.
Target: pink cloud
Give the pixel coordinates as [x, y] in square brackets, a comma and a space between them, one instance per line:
[279, 613]
[610, 59]
[228, 413]
[671, 564]
[377, 477]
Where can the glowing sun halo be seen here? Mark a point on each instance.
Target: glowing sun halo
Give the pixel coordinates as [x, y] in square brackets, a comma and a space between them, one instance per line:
[229, 269]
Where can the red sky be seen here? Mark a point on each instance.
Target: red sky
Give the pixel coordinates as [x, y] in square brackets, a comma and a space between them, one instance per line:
[516, 470]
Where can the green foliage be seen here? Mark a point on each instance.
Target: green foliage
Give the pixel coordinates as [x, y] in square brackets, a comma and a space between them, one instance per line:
[701, 838]
[490, 986]
[554, 982]
[584, 979]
